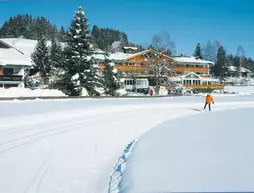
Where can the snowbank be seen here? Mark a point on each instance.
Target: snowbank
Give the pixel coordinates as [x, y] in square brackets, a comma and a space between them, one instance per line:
[183, 156]
[240, 89]
[26, 92]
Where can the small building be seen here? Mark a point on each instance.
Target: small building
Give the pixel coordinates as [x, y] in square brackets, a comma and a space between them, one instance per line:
[233, 70]
[13, 63]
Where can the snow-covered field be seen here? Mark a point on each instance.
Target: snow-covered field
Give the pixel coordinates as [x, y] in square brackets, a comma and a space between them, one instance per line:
[72, 146]
[208, 152]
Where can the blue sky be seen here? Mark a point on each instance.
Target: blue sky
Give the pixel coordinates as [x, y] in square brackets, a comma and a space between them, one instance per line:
[187, 21]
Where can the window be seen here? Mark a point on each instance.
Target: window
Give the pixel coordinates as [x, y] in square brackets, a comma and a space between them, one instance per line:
[8, 71]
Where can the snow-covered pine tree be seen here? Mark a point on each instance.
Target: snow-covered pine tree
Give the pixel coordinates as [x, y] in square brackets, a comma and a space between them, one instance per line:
[110, 77]
[80, 70]
[40, 58]
[62, 34]
[219, 68]
[198, 53]
[56, 59]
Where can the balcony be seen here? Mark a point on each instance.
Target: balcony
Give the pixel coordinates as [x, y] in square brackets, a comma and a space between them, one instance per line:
[190, 69]
[10, 79]
[128, 68]
[205, 86]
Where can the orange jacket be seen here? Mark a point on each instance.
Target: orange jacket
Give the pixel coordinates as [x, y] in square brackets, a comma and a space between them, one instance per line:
[209, 99]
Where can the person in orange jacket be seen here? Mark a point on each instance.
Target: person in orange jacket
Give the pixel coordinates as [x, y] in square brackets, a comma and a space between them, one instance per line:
[208, 101]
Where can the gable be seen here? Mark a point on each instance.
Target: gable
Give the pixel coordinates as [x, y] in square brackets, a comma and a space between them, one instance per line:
[148, 55]
[192, 75]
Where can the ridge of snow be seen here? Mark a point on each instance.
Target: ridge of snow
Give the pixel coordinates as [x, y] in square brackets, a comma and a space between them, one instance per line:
[117, 173]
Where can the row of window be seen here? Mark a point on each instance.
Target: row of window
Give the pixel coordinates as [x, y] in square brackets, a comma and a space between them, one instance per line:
[196, 82]
[138, 82]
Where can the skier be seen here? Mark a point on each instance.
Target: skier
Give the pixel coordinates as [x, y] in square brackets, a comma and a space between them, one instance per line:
[208, 101]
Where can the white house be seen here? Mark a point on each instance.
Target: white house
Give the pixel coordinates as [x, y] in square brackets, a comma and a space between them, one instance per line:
[13, 61]
[193, 73]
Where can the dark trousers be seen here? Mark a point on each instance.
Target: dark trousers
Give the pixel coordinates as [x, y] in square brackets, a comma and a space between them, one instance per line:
[209, 105]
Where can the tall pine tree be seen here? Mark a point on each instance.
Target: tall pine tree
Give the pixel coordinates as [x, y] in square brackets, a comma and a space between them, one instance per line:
[111, 81]
[198, 53]
[40, 58]
[80, 70]
[56, 57]
[219, 68]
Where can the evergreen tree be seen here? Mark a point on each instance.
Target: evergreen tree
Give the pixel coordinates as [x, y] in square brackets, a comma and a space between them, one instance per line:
[40, 58]
[56, 57]
[198, 53]
[80, 71]
[104, 37]
[219, 68]
[111, 80]
[28, 27]
[62, 34]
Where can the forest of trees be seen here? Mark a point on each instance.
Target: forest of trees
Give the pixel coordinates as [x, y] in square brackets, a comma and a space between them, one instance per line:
[29, 27]
[215, 52]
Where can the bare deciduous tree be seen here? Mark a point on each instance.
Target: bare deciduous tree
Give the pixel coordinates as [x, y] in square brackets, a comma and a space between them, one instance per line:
[158, 60]
[162, 43]
[241, 54]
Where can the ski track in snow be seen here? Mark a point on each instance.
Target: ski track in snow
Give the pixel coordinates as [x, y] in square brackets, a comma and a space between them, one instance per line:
[75, 150]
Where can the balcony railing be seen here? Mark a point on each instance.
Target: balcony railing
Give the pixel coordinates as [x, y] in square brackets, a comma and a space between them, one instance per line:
[13, 78]
[128, 68]
[205, 86]
[189, 69]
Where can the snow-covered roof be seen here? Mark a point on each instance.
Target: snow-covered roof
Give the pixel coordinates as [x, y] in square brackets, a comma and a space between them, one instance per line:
[25, 46]
[130, 48]
[13, 57]
[114, 56]
[191, 60]
[234, 69]
[120, 56]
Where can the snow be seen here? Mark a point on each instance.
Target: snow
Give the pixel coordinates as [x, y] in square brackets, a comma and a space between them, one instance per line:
[117, 56]
[191, 60]
[84, 92]
[130, 48]
[75, 77]
[121, 92]
[12, 56]
[234, 69]
[183, 156]
[115, 70]
[26, 92]
[112, 64]
[73, 145]
[240, 89]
